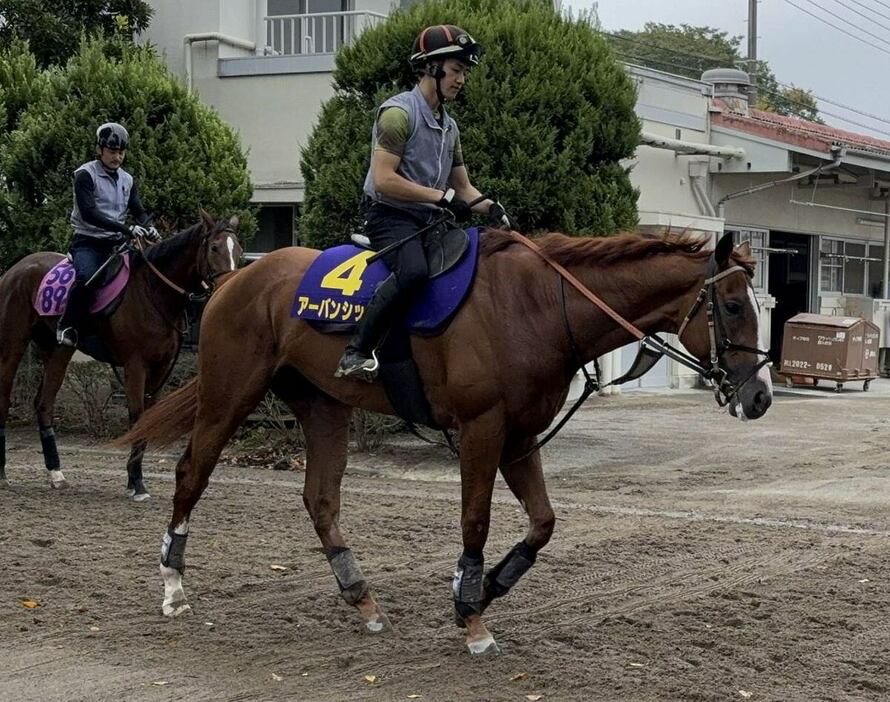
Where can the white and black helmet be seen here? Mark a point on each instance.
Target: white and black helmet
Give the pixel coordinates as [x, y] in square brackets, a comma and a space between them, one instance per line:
[111, 135]
[444, 41]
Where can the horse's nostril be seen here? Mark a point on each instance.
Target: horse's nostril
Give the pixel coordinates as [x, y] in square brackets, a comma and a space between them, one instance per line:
[762, 401]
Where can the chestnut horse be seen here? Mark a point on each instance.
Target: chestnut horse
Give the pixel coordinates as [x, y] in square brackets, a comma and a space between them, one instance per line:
[143, 334]
[499, 374]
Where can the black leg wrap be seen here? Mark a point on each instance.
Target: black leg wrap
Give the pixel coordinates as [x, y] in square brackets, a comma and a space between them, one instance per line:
[50, 452]
[506, 574]
[467, 586]
[134, 468]
[353, 586]
[2, 453]
[173, 550]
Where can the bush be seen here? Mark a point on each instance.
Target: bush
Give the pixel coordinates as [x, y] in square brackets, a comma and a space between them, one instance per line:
[182, 154]
[545, 119]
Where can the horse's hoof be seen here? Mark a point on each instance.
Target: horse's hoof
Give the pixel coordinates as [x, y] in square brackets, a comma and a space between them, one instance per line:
[57, 480]
[485, 646]
[378, 624]
[140, 497]
[176, 609]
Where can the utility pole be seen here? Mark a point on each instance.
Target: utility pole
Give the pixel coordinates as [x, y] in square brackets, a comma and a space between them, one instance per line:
[752, 51]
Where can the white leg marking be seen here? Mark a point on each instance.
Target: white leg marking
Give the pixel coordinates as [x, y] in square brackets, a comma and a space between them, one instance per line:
[57, 480]
[174, 596]
[230, 242]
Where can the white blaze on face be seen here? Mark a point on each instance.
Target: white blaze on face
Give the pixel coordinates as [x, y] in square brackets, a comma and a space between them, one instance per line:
[763, 374]
[230, 243]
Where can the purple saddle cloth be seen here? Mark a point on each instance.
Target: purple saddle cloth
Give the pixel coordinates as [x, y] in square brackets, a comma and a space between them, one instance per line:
[339, 283]
[52, 293]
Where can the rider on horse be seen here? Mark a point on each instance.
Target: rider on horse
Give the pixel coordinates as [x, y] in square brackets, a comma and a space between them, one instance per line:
[103, 194]
[417, 169]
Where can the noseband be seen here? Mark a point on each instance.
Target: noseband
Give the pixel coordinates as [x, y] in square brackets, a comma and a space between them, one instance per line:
[718, 339]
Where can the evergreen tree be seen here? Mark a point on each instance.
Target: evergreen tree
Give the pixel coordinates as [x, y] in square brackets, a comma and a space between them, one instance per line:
[54, 28]
[545, 120]
[181, 153]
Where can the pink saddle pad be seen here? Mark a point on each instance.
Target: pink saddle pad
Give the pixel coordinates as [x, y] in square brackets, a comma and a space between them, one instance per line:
[52, 294]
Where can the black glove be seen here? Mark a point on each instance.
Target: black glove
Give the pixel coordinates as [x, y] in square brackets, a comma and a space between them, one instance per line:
[459, 209]
[498, 217]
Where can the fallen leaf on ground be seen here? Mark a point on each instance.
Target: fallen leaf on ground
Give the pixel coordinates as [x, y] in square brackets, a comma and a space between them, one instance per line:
[414, 697]
[636, 665]
[276, 677]
[275, 566]
[745, 693]
[371, 679]
[30, 604]
[305, 675]
[520, 676]
[864, 580]
[533, 698]
[94, 628]
[159, 683]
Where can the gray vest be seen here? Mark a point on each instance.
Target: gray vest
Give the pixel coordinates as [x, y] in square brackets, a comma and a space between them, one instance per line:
[428, 152]
[111, 199]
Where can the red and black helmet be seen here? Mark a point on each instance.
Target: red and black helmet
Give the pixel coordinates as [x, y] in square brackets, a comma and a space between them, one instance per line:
[444, 41]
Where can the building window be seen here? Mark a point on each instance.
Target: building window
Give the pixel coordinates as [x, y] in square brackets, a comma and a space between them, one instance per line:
[876, 270]
[275, 229]
[758, 240]
[843, 266]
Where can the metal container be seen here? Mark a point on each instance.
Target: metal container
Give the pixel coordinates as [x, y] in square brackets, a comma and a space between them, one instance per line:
[840, 349]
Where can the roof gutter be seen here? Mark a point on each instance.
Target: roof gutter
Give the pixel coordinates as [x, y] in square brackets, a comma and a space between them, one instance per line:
[690, 148]
[190, 39]
[837, 152]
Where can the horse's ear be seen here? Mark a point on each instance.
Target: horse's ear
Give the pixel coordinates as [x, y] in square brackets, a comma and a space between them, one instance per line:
[723, 250]
[744, 249]
[234, 222]
[209, 222]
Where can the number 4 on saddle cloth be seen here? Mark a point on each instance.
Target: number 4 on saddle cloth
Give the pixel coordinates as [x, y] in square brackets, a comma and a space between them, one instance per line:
[339, 284]
[52, 294]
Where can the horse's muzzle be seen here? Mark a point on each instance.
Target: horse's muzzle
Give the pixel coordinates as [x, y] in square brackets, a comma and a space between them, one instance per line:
[753, 398]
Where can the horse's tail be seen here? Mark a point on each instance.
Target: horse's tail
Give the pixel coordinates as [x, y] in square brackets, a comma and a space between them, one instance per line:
[171, 418]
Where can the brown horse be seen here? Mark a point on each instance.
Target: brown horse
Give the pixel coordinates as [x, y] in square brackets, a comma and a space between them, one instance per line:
[499, 373]
[143, 334]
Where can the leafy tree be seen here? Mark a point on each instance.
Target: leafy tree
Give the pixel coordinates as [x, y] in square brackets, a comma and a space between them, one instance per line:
[545, 119]
[54, 27]
[690, 51]
[181, 153]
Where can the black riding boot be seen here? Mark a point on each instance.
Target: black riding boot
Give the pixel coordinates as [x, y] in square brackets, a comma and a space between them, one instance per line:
[359, 359]
[75, 310]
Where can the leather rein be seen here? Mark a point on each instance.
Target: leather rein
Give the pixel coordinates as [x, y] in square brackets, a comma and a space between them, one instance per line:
[724, 390]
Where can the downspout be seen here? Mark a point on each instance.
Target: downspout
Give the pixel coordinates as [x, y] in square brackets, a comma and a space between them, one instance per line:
[189, 39]
[838, 154]
[887, 247]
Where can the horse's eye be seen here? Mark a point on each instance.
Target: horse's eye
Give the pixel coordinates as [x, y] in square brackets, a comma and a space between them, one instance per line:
[214, 247]
[733, 307]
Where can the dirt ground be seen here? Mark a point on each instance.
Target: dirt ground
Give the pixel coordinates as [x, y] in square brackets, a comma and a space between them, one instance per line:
[695, 557]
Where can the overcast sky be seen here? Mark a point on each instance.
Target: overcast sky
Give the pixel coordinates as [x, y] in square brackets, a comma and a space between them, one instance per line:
[799, 48]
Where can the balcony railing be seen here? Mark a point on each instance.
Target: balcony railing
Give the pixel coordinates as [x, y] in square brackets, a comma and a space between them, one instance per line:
[317, 33]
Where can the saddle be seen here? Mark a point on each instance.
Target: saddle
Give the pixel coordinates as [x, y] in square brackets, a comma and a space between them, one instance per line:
[52, 293]
[334, 291]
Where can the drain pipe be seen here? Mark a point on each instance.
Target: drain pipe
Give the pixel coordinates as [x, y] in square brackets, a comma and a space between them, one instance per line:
[190, 39]
[837, 154]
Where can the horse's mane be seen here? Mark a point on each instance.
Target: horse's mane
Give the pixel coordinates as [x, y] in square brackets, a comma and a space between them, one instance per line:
[599, 250]
[173, 246]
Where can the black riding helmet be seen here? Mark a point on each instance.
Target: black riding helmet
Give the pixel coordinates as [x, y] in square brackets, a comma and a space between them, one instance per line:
[111, 135]
[444, 41]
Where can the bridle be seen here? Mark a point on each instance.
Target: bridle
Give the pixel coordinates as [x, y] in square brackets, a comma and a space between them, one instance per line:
[653, 347]
[208, 278]
[718, 339]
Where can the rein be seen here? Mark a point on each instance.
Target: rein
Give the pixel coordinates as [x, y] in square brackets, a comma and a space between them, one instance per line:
[652, 347]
